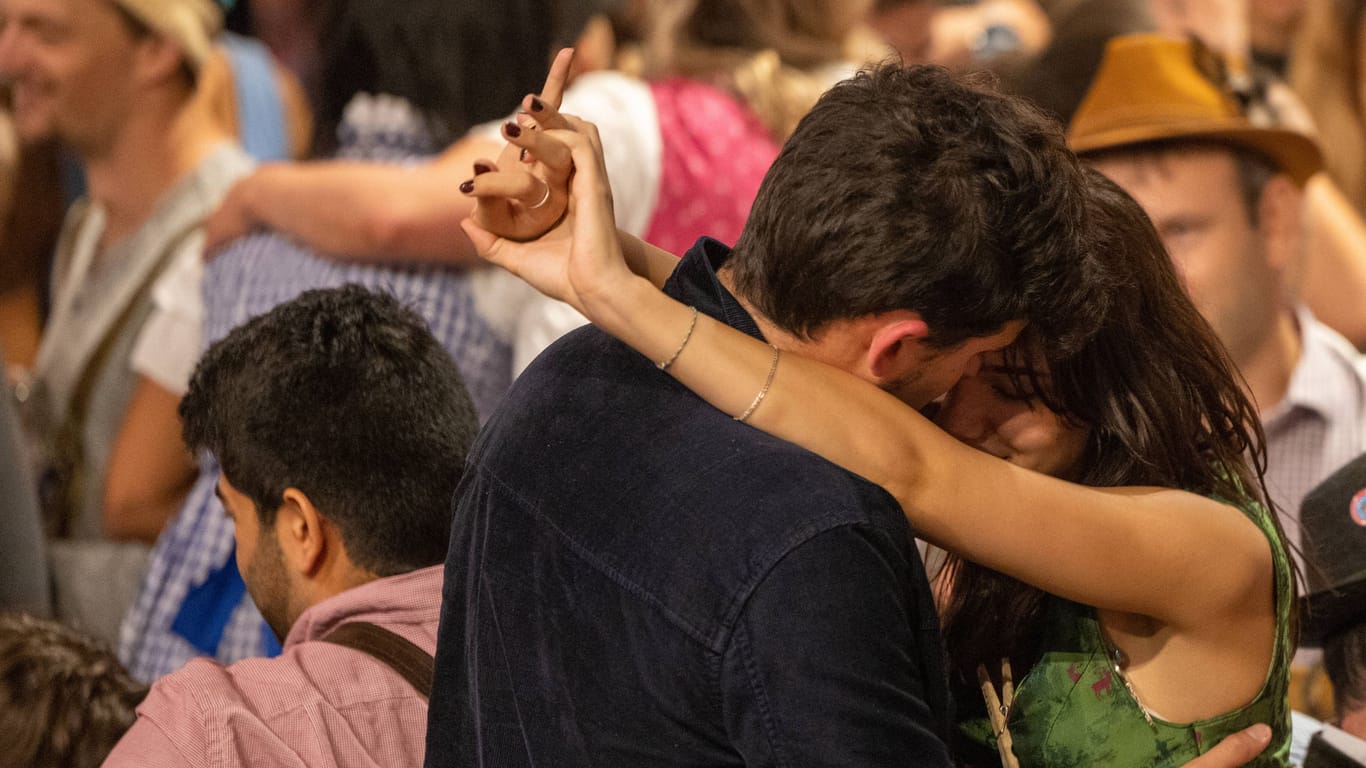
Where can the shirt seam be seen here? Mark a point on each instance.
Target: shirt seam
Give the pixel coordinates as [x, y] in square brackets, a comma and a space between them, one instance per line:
[760, 693]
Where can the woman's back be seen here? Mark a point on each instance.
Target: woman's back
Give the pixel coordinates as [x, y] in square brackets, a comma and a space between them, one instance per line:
[1075, 706]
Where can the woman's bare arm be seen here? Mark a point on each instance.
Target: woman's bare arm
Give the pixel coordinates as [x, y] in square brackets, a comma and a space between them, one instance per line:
[1334, 277]
[367, 211]
[373, 211]
[149, 470]
[1136, 550]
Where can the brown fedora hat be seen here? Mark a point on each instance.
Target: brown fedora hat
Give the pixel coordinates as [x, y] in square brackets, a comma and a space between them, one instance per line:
[1151, 88]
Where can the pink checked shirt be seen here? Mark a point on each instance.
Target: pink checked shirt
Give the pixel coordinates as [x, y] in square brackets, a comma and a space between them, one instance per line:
[316, 705]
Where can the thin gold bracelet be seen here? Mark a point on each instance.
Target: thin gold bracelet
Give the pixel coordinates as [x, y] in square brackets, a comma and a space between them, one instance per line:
[759, 398]
[692, 326]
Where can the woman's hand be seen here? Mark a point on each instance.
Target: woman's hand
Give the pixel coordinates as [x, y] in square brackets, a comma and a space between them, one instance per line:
[579, 261]
[527, 197]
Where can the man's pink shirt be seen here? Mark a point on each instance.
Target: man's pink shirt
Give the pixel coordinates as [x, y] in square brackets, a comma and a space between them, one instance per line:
[317, 704]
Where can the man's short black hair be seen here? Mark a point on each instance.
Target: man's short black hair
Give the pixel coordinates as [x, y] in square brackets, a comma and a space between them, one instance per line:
[909, 188]
[345, 395]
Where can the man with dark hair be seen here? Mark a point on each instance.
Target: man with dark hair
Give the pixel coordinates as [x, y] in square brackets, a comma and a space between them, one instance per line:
[340, 425]
[1197, 148]
[635, 578]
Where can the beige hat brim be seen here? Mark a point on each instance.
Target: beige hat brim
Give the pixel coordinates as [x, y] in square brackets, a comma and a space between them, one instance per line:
[1293, 153]
[191, 24]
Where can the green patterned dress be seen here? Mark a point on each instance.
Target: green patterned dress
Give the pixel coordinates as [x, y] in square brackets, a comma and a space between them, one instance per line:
[1073, 708]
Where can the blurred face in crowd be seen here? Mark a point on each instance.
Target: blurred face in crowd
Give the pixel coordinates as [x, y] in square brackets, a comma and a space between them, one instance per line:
[990, 411]
[70, 63]
[1222, 24]
[906, 27]
[259, 559]
[1273, 23]
[1195, 201]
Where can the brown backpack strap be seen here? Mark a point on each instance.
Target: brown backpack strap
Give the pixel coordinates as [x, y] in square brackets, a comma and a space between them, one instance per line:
[411, 662]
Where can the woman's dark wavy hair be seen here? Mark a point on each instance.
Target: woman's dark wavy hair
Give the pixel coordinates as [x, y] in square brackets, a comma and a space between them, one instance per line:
[1164, 405]
[461, 62]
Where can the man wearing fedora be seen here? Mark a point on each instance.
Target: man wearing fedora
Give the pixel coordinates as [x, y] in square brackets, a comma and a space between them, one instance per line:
[1333, 614]
[1195, 144]
[115, 81]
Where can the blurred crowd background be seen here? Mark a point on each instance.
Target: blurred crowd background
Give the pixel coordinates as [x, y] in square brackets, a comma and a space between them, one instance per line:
[306, 143]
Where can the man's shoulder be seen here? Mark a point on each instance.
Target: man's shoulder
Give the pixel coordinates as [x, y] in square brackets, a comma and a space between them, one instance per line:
[258, 708]
[590, 396]
[306, 675]
[198, 691]
[654, 488]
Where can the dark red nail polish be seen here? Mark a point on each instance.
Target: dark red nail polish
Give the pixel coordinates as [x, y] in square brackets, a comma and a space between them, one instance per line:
[522, 156]
[537, 105]
[481, 168]
[467, 186]
[514, 130]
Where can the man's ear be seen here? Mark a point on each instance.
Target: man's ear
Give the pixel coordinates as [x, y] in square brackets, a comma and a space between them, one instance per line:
[895, 344]
[1279, 213]
[302, 533]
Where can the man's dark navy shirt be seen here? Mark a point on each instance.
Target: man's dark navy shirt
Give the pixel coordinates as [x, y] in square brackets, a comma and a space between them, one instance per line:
[636, 579]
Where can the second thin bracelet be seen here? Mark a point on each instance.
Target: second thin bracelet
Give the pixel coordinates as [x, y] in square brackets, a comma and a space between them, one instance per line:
[759, 398]
[692, 326]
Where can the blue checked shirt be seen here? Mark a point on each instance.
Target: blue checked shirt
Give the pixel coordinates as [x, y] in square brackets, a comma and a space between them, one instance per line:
[194, 557]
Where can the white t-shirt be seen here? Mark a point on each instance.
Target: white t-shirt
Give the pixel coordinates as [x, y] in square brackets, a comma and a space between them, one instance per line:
[168, 347]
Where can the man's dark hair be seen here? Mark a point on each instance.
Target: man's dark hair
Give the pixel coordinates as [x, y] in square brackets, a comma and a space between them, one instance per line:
[345, 395]
[908, 188]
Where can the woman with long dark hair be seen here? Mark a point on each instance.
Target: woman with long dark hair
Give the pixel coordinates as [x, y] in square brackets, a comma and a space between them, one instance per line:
[1145, 616]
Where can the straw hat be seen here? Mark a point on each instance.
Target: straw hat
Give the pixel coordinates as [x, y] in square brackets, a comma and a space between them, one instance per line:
[1151, 88]
[191, 24]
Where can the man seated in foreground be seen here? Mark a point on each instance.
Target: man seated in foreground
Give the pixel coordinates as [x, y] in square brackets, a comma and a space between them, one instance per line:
[340, 425]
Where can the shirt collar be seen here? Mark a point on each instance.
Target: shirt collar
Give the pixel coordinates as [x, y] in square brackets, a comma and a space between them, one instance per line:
[412, 596]
[1326, 376]
[694, 282]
